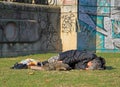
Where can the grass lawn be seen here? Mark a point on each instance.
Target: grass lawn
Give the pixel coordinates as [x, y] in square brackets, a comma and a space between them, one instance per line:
[74, 78]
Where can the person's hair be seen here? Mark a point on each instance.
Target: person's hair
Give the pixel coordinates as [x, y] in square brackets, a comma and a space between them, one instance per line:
[98, 64]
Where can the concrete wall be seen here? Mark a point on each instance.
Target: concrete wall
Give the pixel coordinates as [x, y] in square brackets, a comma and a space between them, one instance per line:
[68, 27]
[68, 22]
[26, 29]
[62, 2]
[100, 25]
[64, 25]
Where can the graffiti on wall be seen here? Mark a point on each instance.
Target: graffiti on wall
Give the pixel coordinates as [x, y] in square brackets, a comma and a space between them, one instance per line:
[68, 22]
[62, 2]
[104, 19]
[55, 2]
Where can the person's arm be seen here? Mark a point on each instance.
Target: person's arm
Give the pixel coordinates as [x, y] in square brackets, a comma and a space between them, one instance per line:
[36, 68]
[79, 57]
[70, 60]
[66, 54]
[81, 66]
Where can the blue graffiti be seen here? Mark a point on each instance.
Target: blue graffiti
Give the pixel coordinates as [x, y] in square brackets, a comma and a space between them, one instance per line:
[95, 15]
[115, 29]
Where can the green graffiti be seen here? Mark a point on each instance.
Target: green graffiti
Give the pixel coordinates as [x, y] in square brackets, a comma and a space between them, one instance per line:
[115, 29]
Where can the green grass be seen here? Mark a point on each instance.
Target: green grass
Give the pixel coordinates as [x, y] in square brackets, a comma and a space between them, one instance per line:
[74, 78]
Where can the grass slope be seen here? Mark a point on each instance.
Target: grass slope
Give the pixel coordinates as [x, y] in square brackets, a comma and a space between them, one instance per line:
[74, 78]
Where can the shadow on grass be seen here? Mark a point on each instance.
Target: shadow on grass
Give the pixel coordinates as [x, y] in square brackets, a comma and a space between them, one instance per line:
[109, 68]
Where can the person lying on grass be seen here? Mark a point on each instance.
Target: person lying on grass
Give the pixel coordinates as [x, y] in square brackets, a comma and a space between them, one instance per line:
[34, 64]
[76, 60]
[73, 59]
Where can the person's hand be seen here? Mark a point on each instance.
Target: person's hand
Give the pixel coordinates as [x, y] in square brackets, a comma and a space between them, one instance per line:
[59, 61]
[36, 68]
[86, 68]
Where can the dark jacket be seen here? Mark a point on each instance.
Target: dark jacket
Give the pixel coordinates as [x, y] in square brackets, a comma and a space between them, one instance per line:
[77, 59]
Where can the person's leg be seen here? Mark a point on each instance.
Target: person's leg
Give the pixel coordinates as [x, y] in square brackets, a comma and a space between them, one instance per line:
[50, 60]
[36, 68]
[53, 59]
[42, 63]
